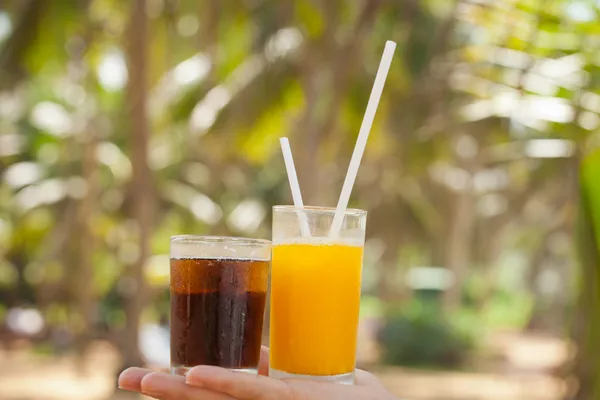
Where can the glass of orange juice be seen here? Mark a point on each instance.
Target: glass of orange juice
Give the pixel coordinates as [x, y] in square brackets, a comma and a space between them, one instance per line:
[315, 294]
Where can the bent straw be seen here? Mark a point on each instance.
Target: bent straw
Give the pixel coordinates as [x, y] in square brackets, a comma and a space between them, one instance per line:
[294, 185]
[363, 135]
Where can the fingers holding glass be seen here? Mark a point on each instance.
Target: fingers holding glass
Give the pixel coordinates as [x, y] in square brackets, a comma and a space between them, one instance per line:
[163, 386]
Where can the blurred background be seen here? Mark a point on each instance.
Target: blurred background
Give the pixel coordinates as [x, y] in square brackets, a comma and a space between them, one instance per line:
[124, 122]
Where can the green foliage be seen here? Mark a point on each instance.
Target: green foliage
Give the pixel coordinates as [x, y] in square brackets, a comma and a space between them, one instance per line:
[421, 335]
[494, 306]
[590, 172]
[508, 309]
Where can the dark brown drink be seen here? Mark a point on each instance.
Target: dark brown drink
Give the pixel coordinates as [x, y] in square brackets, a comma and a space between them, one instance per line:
[217, 311]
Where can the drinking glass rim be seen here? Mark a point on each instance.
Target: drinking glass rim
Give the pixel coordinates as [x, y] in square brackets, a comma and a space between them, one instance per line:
[321, 210]
[208, 239]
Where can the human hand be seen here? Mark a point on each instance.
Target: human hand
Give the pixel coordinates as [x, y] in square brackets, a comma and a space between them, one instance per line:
[215, 383]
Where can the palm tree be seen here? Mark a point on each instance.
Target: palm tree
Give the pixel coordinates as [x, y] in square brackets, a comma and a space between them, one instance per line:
[141, 189]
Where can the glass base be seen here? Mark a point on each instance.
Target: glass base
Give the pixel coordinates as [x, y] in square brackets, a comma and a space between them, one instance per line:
[344, 379]
[182, 370]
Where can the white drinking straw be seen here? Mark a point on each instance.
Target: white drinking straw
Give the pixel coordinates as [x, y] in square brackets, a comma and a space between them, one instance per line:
[294, 185]
[363, 135]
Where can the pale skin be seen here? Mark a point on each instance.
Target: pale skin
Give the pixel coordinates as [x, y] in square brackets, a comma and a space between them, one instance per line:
[214, 383]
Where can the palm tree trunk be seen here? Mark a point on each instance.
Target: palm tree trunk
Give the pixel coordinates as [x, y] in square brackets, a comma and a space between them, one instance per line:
[84, 290]
[141, 189]
[459, 244]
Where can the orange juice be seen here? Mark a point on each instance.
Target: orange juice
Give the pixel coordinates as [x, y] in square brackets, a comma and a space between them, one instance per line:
[315, 298]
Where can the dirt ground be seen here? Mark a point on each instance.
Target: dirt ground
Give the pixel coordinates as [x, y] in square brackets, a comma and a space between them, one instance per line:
[513, 367]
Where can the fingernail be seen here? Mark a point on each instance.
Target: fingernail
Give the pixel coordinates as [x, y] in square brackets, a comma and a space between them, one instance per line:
[130, 378]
